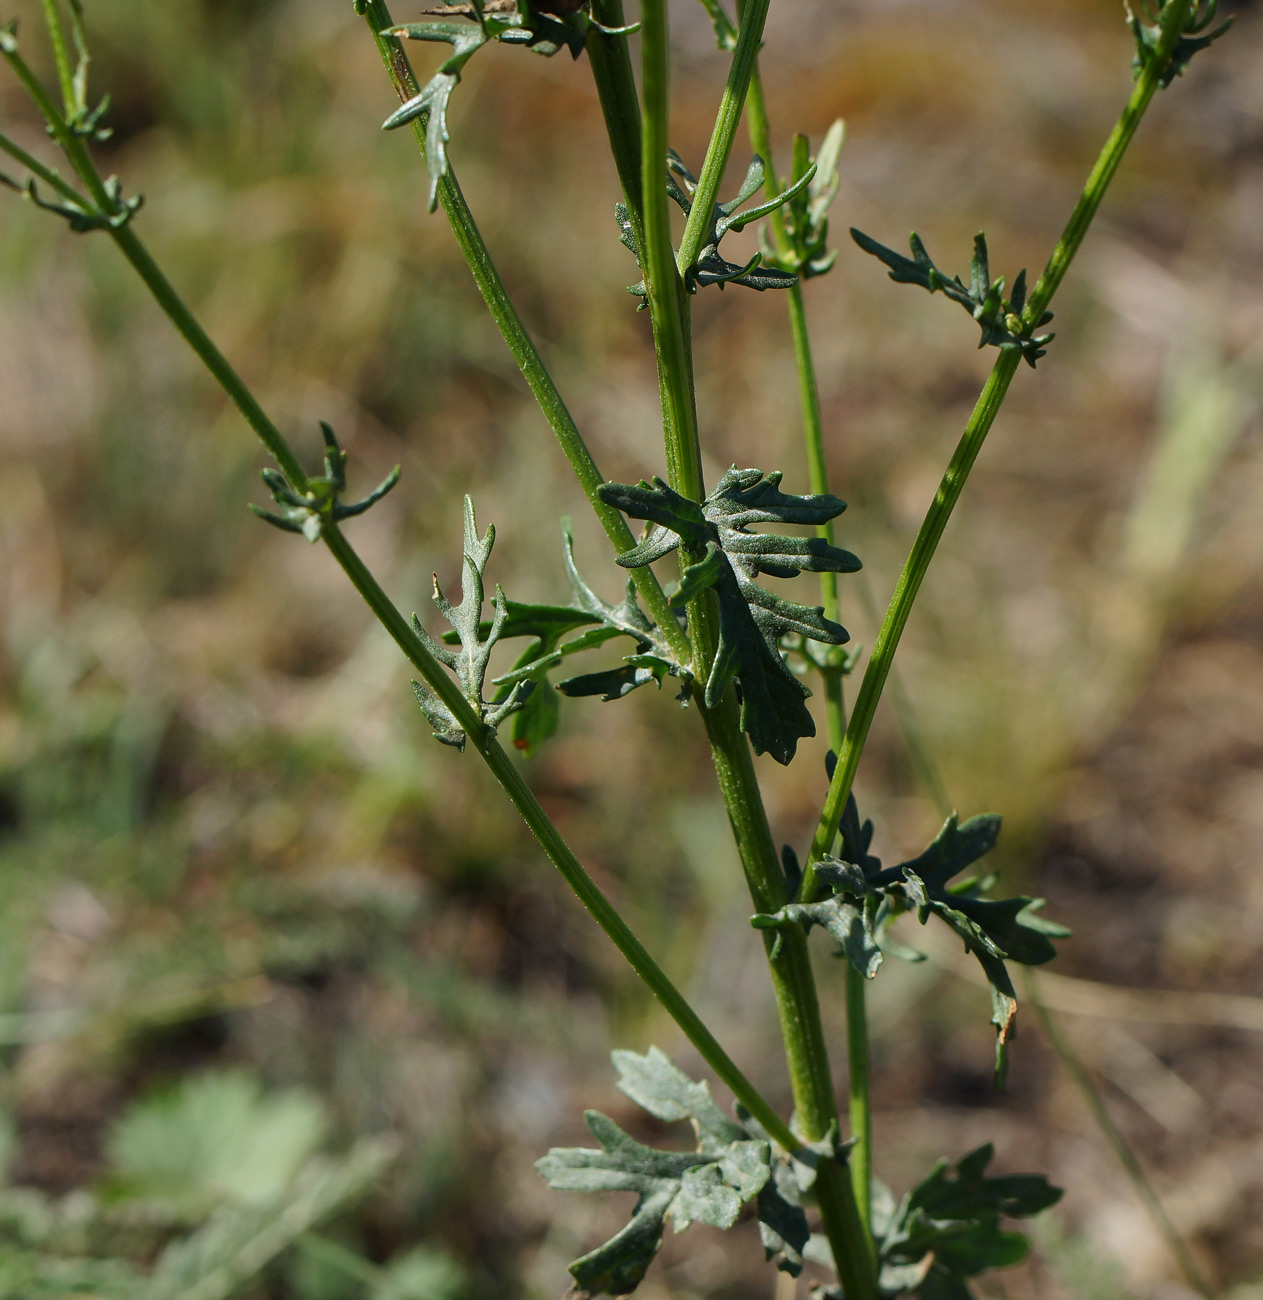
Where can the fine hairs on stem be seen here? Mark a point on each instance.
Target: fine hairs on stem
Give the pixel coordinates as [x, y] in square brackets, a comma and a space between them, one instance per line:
[714, 627]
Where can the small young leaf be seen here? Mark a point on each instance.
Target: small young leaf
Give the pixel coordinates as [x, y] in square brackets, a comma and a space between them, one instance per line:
[523, 25]
[475, 639]
[306, 512]
[999, 319]
[711, 267]
[1192, 41]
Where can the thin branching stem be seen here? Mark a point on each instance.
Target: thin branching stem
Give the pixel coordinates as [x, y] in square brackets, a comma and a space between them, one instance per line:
[520, 344]
[480, 736]
[1174, 17]
[727, 121]
[43, 173]
[61, 52]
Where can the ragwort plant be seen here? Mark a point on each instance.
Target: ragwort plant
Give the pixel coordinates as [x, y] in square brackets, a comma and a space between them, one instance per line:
[731, 647]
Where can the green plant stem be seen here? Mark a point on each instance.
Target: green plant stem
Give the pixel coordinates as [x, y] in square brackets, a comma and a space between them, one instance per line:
[900, 608]
[1121, 1148]
[759, 128]
[45, 174]
[818, 476]
[859, 1072]
[610, 60]
[789, 960]
[521, 346]
[797, 1004]
[668, 301]
[808, 393]
[859, 1092]
[728, 119]
[61, 52]
[1174, 17]
[396, 625]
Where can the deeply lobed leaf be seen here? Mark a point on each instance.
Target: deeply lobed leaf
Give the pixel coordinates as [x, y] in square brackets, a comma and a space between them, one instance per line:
[733, 1163]
[947, 1228]
[864, 899]
[999, 318]
[475, 641]
[725, 555]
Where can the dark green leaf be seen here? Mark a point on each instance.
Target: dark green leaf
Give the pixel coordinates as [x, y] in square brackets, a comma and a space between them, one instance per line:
[1149, 35]
[612, 684]
[999, 318]
[729, 557]
[948, 1229]
[992, 929]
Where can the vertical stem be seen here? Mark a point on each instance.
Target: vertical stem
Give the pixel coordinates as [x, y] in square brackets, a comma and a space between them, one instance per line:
[761, 141]
[668, 301]
[797, 1004]
[859, 1089]
[818, 476]
[910, 579]
[793, 981]
[61, 52]
[859, 1086]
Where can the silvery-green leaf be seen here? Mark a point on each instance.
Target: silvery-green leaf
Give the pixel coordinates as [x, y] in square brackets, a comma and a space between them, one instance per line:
[730, 1166]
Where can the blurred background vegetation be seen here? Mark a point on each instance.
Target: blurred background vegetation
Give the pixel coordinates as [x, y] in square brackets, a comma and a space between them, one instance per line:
[264, 943]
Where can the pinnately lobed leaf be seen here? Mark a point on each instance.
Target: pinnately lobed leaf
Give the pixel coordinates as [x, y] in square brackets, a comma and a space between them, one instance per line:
[475, 640]
[733, 1163]
[722, 552]
[864, 899]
